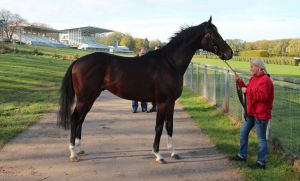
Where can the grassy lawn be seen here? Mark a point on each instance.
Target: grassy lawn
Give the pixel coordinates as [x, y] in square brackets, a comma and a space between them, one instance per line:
[278, 70]
[50, 51]
[28, 88]
[226, 137]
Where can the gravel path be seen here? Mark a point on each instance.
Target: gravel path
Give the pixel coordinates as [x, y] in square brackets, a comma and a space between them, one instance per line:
[118, 146]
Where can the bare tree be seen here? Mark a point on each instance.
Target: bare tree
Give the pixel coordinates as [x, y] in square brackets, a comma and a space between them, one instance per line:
[10, 22]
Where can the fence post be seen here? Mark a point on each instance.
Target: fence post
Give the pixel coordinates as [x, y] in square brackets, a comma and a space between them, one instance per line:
[205, 82]
[227, 91]
[187, 80]
[215, 89]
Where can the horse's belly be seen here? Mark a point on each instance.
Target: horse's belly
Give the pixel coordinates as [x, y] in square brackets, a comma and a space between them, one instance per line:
[132, 93]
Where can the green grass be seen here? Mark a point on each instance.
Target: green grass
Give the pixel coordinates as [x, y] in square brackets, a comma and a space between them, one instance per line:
[28, 88]
[278, 70]
[226, 137]
[67, 53]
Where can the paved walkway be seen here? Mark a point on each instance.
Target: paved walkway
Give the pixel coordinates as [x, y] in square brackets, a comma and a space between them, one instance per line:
[118, 146]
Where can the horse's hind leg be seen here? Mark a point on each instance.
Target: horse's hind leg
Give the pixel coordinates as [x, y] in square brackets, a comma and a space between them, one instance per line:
[78, 116]
[78, 139]
[74, 122]
[169, 128]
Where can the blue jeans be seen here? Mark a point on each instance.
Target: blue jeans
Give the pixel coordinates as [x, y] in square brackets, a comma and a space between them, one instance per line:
[153, 104]
[135, 105]
[261, 128]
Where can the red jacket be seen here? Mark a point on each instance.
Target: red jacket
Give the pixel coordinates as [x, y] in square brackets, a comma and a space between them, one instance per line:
[259, 95]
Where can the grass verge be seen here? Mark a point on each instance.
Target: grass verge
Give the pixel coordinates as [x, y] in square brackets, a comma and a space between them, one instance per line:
[226, 137]
[28, 88]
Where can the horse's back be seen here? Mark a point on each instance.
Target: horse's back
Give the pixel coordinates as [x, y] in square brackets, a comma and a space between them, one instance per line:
[127, 77]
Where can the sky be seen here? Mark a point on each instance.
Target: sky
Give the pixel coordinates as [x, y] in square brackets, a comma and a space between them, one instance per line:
[249, 20]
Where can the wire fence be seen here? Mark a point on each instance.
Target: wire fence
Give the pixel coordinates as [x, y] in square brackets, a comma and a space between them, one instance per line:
[217, 85]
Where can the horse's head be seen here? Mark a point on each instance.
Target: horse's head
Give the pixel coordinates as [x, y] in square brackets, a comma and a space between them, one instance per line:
[213, 42]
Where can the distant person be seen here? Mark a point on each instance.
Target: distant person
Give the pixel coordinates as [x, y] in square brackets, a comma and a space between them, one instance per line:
[153, 109]
[259, 95]
[135, 104]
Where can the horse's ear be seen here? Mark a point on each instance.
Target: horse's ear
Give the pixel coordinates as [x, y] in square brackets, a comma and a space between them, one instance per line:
[209, 21]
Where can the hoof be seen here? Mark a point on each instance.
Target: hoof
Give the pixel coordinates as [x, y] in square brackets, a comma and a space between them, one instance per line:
[74, 159]
[81, 153]
[175, 157]
[161, 161]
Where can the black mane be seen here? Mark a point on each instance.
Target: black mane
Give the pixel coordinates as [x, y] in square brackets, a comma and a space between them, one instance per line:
[184, 35]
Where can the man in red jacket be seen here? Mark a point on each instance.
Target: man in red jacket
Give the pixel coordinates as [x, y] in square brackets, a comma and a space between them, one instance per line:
[259, 95]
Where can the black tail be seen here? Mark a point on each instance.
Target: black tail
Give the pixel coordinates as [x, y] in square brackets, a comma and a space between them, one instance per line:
[66, 100]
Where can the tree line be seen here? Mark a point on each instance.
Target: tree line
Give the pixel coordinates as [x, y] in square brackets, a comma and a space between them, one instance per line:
[281, 47]
[128, 40]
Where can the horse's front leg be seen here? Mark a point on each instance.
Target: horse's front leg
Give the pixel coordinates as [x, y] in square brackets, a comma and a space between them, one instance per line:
[160, 116]
[169, 128]
[75, 140]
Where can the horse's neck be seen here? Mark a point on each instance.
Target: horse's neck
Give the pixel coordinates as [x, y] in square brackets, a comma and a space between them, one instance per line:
[182, 59]
[183, 54]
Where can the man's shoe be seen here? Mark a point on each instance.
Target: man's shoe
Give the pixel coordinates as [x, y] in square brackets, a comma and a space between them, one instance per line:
[134, 110]
[257, 166]
[153, 109]
[144, 109]
[238, 158]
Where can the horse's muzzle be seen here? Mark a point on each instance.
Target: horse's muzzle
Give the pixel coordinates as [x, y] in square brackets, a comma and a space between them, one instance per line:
[226, 56]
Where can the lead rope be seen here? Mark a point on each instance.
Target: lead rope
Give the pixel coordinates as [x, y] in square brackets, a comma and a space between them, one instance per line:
[241, 96]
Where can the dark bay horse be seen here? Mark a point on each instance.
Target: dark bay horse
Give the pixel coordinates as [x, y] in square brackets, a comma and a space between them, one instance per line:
[156, 76]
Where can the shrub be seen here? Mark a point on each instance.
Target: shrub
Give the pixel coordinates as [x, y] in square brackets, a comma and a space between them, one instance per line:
[16, 50]
[37, 52]
[254, 53]
[4, 49]
[76, 56]
[55, 55]
[204, 56]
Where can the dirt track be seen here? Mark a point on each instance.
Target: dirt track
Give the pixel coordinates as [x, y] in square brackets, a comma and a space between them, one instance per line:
[118, 146]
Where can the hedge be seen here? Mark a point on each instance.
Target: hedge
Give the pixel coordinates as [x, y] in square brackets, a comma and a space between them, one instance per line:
[268, 60]
[254, 53]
